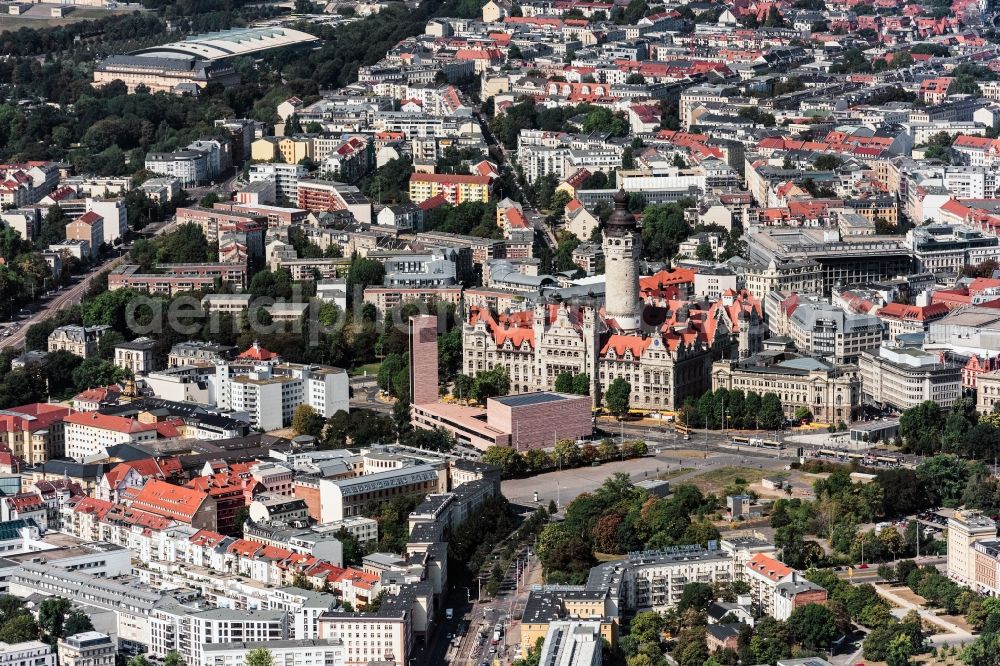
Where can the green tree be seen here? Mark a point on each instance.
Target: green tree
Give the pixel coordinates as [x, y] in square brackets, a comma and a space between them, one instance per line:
[899, 651]
[78, 622]
[494, 382]
[259, 657]
[813, 626]
[647, 626]
[97, 372]
[617, 397]
[173, 658]
[507, 459]
[771, 413]
[697, 596]
[52, 615]
[19, 629]
[307, 421]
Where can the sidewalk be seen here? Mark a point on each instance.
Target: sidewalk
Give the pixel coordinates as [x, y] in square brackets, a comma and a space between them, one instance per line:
[956, 633]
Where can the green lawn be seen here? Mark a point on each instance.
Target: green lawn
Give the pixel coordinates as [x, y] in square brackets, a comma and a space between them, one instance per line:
[370, 368]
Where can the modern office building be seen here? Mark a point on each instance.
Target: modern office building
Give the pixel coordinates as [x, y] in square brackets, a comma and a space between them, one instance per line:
[904, 377]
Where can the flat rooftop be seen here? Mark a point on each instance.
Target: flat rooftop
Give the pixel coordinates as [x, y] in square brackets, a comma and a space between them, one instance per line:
[524, 399]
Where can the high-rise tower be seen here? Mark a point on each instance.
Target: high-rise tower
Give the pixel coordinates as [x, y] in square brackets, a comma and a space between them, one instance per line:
[622, 247]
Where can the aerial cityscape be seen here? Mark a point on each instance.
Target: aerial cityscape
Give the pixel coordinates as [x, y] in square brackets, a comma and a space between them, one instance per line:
[503, 333]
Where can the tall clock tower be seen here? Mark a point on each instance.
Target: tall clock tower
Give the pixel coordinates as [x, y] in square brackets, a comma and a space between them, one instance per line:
[622, 248]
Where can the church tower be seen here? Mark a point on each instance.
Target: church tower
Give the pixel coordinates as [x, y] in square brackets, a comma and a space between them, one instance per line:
[622, 248]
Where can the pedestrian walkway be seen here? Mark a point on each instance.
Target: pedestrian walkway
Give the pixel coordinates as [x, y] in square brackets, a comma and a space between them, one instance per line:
[955, 632]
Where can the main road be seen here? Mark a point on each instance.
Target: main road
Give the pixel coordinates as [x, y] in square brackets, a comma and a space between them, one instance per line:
[68, 297]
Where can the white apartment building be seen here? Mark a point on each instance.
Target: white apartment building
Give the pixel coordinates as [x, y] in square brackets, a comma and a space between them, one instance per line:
[285, 177]
[225, 625]
[304, 608]
[656, 579]
[270, 391]
[188, 166]
[89, 434]
[29, 653]
[369, 638]
[306, 652]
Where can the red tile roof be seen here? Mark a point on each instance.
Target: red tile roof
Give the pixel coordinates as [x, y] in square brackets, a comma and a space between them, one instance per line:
[257, 353]
[168, 500]
[109, 422]
[769, 567]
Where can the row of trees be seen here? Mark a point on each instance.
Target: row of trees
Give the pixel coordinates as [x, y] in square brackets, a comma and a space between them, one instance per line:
[565, 454]
[739, 409]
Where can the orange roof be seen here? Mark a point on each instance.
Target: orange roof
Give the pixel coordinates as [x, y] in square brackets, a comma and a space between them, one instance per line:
[257, 353]
[168, 500]
[31, 418]
[625, 343]
[206, 538]
[108, 422]
[90, 217]
[450, 178]
[913, 312]
[244, 548]
[93, 505]
[769, 567]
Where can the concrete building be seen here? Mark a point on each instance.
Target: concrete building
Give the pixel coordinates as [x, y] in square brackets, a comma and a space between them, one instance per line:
[89, 227]
[81, 341]
[346, 498]
[965, 528]
[388, 298]
[175, 278]
[270, 391]
[455, 188]
[384, 636]
[828, 331]
[902, 377]
[89, 434]
[90, 648]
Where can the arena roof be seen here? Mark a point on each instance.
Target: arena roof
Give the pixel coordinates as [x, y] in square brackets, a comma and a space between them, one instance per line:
[228, 43]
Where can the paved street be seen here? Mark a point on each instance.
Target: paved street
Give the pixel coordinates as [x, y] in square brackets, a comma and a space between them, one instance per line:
[67, 297]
